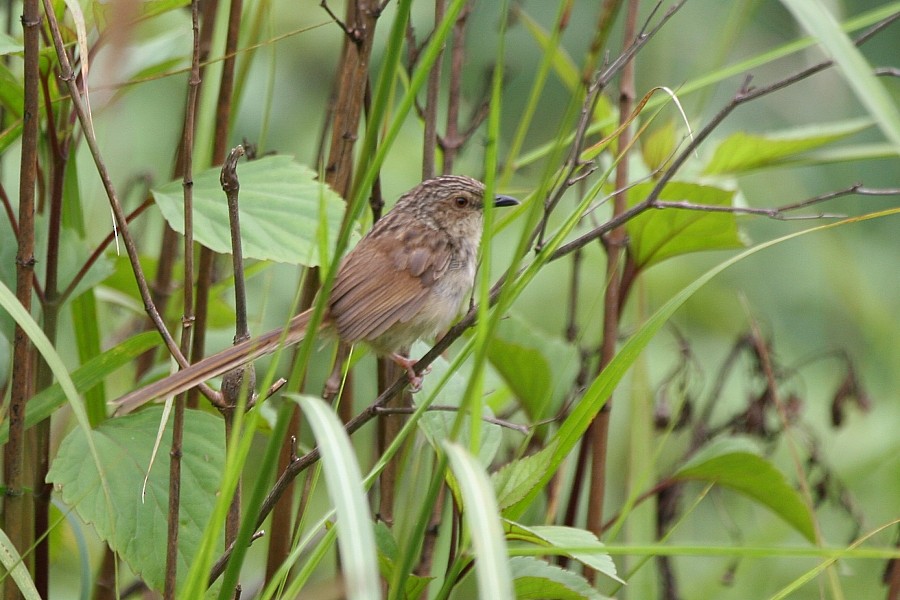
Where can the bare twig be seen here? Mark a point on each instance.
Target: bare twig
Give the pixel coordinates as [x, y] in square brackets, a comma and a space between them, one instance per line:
[408, 410]
[187, 320]
[15, 504]
[112, 195]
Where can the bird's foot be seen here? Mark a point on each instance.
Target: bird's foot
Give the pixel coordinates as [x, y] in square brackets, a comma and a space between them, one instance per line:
[415, 380]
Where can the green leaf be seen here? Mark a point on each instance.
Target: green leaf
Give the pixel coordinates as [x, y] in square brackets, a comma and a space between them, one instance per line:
[16, 568]
[817, 20]
[12, 94]
[135, 529]
[656, 235]
[535, 579]
[741, 152]
[517, 478]
[658, 147]
[538, 368]
[356, 536]
[736, 464]
[563, 65]
[9, 45]
[598, 392]
[280, 203]
[387, 555]
[590, 551]
[483, 519]
[75, 253]
[437, 424]
[85, 378]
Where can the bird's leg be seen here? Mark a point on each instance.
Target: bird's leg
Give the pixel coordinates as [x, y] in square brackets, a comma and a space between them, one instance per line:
[336, 379]
[415, 381]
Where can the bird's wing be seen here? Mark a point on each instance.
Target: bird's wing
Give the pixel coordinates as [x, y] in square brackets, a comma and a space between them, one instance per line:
[386, 280]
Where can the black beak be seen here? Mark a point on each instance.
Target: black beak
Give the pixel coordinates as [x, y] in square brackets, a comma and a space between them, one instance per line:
[505, 201]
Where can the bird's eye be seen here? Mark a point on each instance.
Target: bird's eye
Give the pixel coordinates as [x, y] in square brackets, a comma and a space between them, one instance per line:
[461, 201]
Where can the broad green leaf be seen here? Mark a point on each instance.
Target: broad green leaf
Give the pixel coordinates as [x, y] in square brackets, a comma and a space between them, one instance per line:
[656, 235]
[562, 538]
[538, 368]
[12, 94]
[355, 533]
[438, 424]
[598, 392]
[535, 579]
[279, 205]
[658, 147]
[516, 479]
[136, 529]
[482, 516]
[816, 18]
[741, 152]
[387, 554]
[9, 45]
[736, 463]
[85, 378]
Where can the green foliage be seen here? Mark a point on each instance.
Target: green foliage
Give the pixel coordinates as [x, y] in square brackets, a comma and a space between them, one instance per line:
[85, 378]
[660, 234]
[281, 203]
[356, 537]
[535, 579]
[136, 527]
[736, 463]
[577, 544]
[481, 466]
[742, 151]
[538, 370]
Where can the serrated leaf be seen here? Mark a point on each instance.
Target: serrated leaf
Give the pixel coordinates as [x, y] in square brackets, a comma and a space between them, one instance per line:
[538, 368]
[656, 235]
[535, 579]
[736, 463]
[280, 202]
[563, 538]
[135, 529]
[741, 152]
[517, 478]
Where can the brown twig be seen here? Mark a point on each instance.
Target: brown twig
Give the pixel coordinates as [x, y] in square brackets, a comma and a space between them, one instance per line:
[15, 504]
[598, 432]
[175, 453]
[241, 382]
[111, 194]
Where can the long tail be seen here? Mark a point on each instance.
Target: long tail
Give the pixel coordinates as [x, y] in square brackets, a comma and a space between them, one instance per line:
[217, 364]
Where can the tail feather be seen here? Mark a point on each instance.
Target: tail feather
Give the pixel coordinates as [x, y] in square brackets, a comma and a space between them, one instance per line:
[217, 364]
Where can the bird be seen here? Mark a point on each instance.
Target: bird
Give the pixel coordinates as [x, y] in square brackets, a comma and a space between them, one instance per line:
[407, 279]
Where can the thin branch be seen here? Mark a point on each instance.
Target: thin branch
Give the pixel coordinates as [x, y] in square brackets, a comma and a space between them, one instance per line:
[408, 410]
[112, 195]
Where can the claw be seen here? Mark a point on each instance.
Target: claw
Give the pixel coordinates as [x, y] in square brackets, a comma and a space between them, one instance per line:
[415, 381]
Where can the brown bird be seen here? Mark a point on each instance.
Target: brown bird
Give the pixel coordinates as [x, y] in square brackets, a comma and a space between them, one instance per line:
[407, 279]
